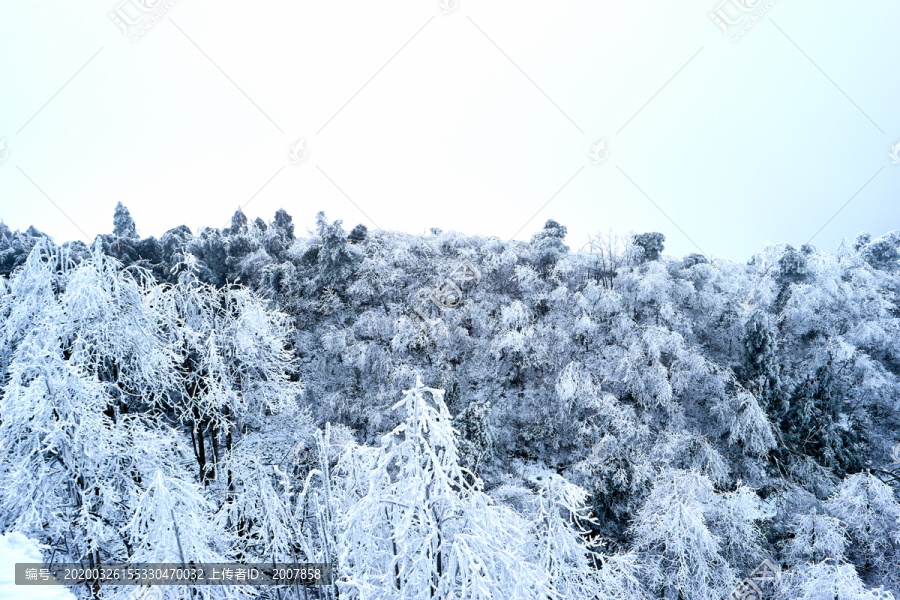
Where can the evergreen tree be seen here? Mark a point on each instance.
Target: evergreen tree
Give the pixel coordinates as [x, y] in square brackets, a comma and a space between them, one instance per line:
[336, 258]
[238, 223]
[651, 244]
[792, 267]
[861, 240]
[476, 436]
[16, 247]
[819, 425]
[359, 234]
[123, 224]
[284, 224]
[548, 246]
[883, 253]
[763, 370]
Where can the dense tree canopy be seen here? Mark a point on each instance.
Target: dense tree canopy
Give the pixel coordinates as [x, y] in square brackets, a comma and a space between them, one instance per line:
[451, 416]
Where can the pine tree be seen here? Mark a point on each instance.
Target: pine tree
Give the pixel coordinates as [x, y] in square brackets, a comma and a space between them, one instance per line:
[284, 224]
[651, 243]
[238, 223]
[476, 435]
[123, 224]
[336, 258]
[548, 246]
[358, 234]
[817, 423]
[760, 349]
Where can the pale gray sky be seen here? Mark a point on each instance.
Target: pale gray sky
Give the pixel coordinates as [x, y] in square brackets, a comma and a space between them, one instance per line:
[481, 119]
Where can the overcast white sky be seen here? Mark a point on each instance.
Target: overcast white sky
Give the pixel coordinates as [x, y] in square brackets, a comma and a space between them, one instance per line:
[481, 119]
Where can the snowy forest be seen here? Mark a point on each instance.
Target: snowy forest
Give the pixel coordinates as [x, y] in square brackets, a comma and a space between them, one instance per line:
[452, 417]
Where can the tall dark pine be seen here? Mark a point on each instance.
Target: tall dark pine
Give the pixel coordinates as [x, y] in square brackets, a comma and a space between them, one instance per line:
[336, 259]
[123, 224]
[761, 356]
[238, 222]
[548, 245]
[284, 224]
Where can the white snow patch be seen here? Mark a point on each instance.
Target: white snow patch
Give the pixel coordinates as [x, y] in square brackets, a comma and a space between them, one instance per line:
[15, 547]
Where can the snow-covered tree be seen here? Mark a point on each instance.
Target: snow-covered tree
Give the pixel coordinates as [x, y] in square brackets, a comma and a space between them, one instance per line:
[564, 551]
[85, 371]
[234, 362]
[714, 394]
[827, 580]
[872, 516]
[476, 434]
[737, 520]
[742, 418]
[123, 224]
[681, 557]
[58, 443]
[173, 523]
[421, 530]
[336, 257]
[548, 246]
[763, 370]
[816, 537]
[651, 244]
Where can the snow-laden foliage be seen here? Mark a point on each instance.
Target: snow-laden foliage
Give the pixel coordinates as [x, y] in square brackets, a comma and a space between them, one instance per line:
[872, 516]
[690, 417]
[563, 549]
[828, 580]
[816, 537]
[421, 529]
[680, 553]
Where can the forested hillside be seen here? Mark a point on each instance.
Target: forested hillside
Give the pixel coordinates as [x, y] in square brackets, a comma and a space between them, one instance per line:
[451, 417]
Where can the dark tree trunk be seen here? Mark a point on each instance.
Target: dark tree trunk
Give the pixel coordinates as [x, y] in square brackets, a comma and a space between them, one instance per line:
[201, 448]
